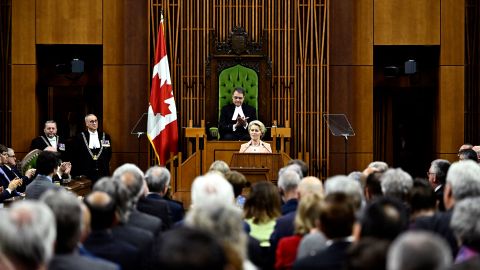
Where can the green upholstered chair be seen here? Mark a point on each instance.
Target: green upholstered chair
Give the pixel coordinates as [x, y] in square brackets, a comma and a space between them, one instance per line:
[237, 76]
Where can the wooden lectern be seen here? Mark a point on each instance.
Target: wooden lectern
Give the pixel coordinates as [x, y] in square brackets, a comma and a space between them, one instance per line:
[257, 167]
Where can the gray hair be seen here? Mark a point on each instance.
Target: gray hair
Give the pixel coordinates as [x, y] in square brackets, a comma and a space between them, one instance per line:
[346, 185]
[219, 166]
[292, 167]
[396, 183]
[211, 187]
[464, 179]
[68, 215]
[380, 166]
[27, 233]
[157, 178]
[118, 193]
[90, 114]
[132, 178]
[440, 168]
[50, 122]
[288, 180]
[418, 250]
[222, 220]
[465, 222]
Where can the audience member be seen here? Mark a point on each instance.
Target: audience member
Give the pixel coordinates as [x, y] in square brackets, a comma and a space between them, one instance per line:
[437, 175]
[158, 183]
[47, 163]
[337, 216]
[149, 214]
[27, 235]
[422, 199]
[367, 254]
[238, 182]
[140, 238]
[211, 188]
[463, 180]
[305, 221]
[101, 241]
[343, 184]
[219, 166]
[189, 248]
[418, 251]
[384, 218]
[9, 167]
[288, 181]
[396, 183]
[68, 216]
[375, 166]
[224, 222]
[465, 224]
[373, 186]
[301, 163]
[468, 154]
[261, 209]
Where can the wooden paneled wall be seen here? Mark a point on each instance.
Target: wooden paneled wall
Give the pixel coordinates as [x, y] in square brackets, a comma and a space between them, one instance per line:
[297, 48]
[356, 26]
[121, 27]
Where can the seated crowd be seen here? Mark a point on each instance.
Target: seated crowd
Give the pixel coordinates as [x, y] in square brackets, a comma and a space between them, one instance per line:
[380, 218]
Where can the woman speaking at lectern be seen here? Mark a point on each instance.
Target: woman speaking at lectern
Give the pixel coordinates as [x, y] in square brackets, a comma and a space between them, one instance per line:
[256, 129]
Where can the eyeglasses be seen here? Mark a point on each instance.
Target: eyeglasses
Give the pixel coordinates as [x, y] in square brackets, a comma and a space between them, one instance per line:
[430, 173]
[93, 121]
[235, 97]
[11, 156]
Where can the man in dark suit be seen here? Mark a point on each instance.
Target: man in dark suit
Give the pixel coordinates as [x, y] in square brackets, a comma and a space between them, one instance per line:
[9, 167]
[437, 175]
[92, 151]
[68, 214]
[47, 163]
[50, 139]
[158, 181]
[101, 241]
[132, 179]
[337, 217]
[234, 118]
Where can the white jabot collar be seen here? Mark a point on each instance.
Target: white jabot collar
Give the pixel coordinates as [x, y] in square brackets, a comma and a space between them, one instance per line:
[238, 111]
[93, 142]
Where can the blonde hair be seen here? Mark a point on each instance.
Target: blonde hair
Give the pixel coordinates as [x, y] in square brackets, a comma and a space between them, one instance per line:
[307, 213]
[262, 127]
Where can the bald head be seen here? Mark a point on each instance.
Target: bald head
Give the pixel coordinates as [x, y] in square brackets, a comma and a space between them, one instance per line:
[309, 185]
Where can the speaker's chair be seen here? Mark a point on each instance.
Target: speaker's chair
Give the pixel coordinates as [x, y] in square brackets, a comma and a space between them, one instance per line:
[237, 76]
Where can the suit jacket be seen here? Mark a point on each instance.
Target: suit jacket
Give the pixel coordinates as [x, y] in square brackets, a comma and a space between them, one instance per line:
[12, 173]
[177, 212]
[38, 186]
[333, 257]
[283, 228]
[5, 195]
[41, 142]
[156, 208]
[226, 123]
[439, 223]
[101, 243]
[145, 221]
[439, 198]
[75, 261]
[84, 163]
[248, 148]
[139, 238]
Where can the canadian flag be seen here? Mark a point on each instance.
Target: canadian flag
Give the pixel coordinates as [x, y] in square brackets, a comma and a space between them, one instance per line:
[162, 129]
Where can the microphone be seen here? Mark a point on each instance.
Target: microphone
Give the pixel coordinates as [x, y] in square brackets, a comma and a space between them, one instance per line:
[266, 148]
[247, 148]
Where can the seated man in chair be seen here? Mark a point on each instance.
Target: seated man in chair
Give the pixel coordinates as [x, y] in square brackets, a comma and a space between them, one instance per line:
[234, 118]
